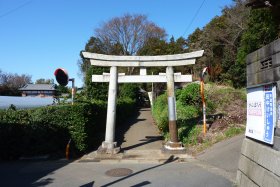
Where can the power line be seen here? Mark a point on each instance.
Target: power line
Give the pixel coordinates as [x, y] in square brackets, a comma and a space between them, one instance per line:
[194, 17]
[15, 9]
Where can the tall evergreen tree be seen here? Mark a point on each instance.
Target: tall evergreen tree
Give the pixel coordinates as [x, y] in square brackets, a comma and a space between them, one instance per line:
[262, 29]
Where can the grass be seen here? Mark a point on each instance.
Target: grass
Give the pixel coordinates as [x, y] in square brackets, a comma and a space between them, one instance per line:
[195, 147]
[232, 131]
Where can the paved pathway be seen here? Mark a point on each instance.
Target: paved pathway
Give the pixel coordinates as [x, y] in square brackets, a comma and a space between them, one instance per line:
[142, 135]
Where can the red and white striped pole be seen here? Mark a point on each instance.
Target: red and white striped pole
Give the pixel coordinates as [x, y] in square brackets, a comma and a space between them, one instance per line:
[204, 72]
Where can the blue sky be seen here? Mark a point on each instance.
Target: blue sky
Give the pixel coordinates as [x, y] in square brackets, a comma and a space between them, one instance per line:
[38, 36]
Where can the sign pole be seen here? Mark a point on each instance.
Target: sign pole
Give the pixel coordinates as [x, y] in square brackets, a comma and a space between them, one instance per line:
[203, 99]
[72, 90]
[203, 105]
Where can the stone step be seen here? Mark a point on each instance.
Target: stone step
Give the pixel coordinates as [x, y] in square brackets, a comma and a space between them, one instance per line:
[135, 156]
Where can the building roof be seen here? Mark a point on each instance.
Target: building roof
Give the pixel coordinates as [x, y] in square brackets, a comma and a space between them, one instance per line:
[47, 87]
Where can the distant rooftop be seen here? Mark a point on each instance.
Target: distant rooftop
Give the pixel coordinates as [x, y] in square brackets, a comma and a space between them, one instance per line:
[46, 87]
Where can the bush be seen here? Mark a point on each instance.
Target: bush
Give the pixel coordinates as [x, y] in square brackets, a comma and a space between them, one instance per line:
[190, 95]
[186, 112]
[47, 130]
[188, 106]
[125, 107]
[128, 91]
[79, 121]
[160, 113]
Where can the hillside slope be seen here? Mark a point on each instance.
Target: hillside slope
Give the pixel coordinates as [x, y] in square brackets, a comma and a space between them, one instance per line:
[226, 115]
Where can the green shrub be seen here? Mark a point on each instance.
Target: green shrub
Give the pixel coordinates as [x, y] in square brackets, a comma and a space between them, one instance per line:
[186, 112]
[188, 108]
[47, 130]
[189, 111]
[78, 120]
[188, 134]
[160, 113]
[128, 91]
[190, 95]
[187, 119]
[125, 108]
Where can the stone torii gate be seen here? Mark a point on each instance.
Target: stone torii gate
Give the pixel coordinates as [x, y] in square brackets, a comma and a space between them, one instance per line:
[168, 61]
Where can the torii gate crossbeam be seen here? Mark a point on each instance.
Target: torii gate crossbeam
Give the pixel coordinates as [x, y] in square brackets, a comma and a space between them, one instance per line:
[168, 61]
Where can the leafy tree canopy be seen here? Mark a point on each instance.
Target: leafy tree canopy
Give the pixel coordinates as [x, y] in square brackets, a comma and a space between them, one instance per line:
[229, 38]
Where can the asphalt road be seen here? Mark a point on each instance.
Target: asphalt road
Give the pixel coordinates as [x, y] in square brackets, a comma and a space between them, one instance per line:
[224, 155]
[216, 167]
[88, 174]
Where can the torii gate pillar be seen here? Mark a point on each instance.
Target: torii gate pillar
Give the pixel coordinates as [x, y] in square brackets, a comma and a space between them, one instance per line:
[173, 145]
[109, 146]
[171, 105]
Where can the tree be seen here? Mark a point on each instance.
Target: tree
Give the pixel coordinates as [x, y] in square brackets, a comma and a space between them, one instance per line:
[156, 46]
[130, 31]
[124, 35]
[153, 46]
[44, 81]
[61, 90]
[220, 39]
[262, 29]
[96, 90]
[10, 83]
[95, 45]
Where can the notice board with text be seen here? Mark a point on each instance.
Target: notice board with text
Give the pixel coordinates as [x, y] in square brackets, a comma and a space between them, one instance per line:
[261, 113]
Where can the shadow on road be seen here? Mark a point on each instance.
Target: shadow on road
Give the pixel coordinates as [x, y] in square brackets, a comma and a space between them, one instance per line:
[169, 160]
[123, 126]
[147, 140]
[142, 184]
[90, 184]
[28, 173]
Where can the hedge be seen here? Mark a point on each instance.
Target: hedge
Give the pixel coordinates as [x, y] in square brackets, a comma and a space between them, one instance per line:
[47, 130]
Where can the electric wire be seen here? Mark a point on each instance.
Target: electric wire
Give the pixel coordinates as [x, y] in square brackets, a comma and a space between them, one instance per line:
[194, 17]
[15, 9]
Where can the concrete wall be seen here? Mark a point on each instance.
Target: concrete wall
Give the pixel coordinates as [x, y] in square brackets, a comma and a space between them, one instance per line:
[259, 165]
[263, 65]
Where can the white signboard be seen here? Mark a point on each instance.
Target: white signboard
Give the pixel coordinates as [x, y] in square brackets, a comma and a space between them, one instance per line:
[261, 113]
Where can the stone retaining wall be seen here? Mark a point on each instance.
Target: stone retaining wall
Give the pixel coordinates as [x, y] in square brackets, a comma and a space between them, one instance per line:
[259, 165]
